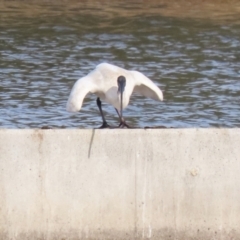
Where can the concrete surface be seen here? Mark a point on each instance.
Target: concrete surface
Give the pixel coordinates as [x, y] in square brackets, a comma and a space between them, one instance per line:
[120, 184]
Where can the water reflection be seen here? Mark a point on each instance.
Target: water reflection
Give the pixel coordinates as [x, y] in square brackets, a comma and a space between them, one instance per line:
[193, 55]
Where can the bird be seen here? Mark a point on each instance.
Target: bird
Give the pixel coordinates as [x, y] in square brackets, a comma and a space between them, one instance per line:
[114, 85]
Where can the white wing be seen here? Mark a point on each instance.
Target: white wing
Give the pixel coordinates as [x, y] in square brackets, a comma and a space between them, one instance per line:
[146, 87]
[103, 82]
[98, 81]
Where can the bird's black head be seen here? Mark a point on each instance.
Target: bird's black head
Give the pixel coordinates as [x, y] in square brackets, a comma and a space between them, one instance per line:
[121, 83]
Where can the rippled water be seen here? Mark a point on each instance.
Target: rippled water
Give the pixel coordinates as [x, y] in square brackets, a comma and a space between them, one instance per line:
[192, 52]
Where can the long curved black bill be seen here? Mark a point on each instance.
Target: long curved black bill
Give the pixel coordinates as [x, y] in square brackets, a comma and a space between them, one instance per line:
[121, 87]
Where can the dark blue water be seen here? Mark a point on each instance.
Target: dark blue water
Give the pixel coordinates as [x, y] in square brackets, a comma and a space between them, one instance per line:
[44, 49]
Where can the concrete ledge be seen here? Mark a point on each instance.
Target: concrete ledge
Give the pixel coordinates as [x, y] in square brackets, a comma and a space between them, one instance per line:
[120, 184]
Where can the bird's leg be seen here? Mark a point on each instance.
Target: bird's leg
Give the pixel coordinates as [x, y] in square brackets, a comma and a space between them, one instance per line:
[122, 121]
[99, 104]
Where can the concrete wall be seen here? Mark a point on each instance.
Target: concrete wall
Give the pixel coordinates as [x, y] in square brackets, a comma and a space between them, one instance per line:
[120, 184]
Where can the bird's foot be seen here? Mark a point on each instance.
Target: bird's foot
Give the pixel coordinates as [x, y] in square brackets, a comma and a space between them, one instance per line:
[105, 125]
[123, 124]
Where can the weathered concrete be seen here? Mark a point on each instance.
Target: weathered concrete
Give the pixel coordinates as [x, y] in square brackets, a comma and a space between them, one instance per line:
[120, 184]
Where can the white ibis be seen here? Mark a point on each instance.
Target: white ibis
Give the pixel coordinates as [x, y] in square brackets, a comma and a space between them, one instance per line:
[113, 85]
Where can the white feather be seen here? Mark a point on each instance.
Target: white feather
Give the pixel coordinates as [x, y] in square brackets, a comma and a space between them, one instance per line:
[102, 81]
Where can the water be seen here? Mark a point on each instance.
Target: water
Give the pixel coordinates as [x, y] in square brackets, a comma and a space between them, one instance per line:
[191, 51]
